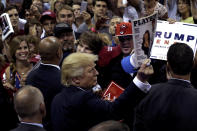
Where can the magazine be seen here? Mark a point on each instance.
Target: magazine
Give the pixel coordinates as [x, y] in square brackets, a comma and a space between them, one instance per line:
[143, 30]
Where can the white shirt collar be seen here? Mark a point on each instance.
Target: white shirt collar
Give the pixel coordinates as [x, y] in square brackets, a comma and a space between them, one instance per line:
[35, 124]
[56, 66]
[181, 80]
[81, 88]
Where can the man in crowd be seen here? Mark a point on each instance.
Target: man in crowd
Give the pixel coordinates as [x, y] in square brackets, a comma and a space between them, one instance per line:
[114, 71]
[65, 14]
[47, 76]
[17, 23]
[48, 20]
[100, 18]
[112, 29]
[29, 104]
[79, 105]
[171, 106]
[36, 8]
[65, 35]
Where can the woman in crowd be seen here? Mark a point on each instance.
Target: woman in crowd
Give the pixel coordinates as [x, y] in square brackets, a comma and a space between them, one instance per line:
[17, 71]
[184, 11]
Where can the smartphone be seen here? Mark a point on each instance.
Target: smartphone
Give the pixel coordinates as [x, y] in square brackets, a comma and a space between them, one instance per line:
[83, 6]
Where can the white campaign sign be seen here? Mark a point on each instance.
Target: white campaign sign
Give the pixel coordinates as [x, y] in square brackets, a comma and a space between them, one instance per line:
[167, 34]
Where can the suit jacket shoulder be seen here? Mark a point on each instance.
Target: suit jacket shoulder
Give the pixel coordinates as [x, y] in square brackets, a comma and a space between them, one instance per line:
[168, 106]
[28, 127]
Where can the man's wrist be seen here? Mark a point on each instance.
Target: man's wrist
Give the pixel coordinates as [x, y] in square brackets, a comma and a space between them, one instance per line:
[143, 86]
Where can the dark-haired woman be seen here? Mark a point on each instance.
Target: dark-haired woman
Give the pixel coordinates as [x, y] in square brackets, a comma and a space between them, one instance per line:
[17, 71]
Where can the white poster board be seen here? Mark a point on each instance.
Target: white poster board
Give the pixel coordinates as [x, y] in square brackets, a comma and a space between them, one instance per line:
[6, 26]
[167, 34]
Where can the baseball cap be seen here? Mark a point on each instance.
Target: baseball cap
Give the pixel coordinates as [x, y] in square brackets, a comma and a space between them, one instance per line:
[47, 14]
[61, 28]
[124, 29]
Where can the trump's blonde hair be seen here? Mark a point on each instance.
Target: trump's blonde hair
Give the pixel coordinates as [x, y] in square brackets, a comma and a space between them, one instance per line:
[73, 66]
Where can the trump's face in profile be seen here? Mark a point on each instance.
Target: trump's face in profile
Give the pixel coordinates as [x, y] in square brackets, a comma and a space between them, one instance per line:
[89, 77]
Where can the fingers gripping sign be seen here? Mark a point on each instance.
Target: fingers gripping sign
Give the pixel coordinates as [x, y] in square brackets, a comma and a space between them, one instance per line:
[145, 71]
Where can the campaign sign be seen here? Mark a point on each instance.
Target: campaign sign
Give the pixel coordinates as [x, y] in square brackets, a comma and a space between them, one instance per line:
[167, 34]
[113, 91]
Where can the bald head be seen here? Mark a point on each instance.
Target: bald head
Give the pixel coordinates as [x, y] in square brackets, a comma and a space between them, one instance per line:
[48, 48]
[27, 101]
[110, 125]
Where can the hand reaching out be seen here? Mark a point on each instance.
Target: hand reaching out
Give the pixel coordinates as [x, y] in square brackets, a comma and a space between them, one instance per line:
[86, 17]
[101, 22]
[7, 85]
[145, 71]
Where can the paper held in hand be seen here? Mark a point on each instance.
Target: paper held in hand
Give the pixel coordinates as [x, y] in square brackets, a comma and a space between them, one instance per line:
[167, 34]
[113, 91]
[6, 26]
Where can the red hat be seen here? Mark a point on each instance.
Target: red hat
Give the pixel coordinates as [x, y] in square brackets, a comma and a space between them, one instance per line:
[124, 28]
[47, 14]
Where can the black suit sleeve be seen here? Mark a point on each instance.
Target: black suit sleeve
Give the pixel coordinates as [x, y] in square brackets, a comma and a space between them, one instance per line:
[121, 106]
[8, 116]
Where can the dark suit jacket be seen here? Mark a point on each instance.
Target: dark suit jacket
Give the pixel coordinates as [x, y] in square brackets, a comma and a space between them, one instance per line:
[48, 80]
[170, 106]
[8, 116]
[76, 110]
[28, 127]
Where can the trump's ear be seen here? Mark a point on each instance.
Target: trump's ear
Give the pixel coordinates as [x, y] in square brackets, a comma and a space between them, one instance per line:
[76, 81]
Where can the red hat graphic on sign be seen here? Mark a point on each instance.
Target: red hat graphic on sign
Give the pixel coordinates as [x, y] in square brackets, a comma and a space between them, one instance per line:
[124, 28]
